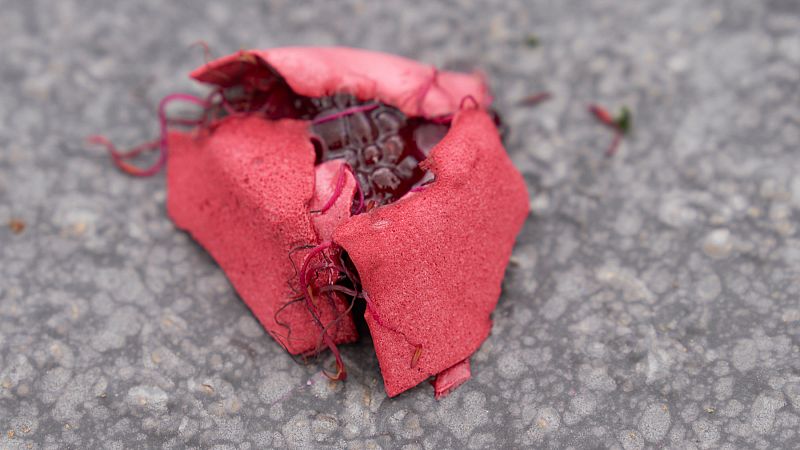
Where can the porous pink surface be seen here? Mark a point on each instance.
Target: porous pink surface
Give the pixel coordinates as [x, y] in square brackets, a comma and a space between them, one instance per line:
[243, 192]
[432, 263]
[414, 88]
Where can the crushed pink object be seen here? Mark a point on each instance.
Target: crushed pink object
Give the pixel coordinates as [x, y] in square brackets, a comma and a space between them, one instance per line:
[449, 379]
[430, 264]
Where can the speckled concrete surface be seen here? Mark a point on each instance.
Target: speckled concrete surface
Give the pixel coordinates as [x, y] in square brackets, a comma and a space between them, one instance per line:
[653, 299]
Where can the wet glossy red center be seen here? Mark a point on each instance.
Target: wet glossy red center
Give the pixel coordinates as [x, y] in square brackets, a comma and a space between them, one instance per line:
[381, 145]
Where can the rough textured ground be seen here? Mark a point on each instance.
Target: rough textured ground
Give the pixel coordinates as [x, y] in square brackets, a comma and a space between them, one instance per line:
[653, 299]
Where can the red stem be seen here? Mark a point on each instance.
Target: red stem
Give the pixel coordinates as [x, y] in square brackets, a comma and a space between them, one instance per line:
[612, 149]
[603, 116]
[360, 208]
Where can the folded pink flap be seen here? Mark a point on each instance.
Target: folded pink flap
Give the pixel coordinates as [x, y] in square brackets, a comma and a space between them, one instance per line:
[432, 263]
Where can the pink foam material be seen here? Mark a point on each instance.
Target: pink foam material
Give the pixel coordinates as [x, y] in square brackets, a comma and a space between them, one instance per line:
[414, 88]
[243, 191]
[449, 379]
[432, 262]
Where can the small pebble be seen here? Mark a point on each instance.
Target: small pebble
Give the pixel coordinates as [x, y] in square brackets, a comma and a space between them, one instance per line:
[718, 243]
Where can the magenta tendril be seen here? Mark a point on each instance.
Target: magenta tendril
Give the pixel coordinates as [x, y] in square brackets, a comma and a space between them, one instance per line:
[345, 112]
[164, 125]
[305, 284]
[475, 103]
[619, 125]
[207, 55]
[360, 208]
[342, 289]
[120, 157]
[340, 179]
[307, 260]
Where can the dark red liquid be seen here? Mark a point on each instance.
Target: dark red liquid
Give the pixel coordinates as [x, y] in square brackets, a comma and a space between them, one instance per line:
[381, 145]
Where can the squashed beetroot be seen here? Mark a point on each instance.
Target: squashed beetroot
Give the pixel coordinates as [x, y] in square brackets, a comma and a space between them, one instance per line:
[322, 177]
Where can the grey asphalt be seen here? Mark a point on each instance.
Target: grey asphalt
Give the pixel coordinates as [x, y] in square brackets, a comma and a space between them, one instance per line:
[652, 301]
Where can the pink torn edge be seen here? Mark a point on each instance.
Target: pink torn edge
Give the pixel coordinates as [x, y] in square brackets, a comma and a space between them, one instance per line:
[449, 379]
[345, 112]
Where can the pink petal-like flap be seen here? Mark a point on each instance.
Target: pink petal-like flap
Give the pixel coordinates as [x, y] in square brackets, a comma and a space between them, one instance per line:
[432, 263]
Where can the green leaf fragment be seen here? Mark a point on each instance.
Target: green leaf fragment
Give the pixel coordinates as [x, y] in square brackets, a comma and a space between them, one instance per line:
[623, 120]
